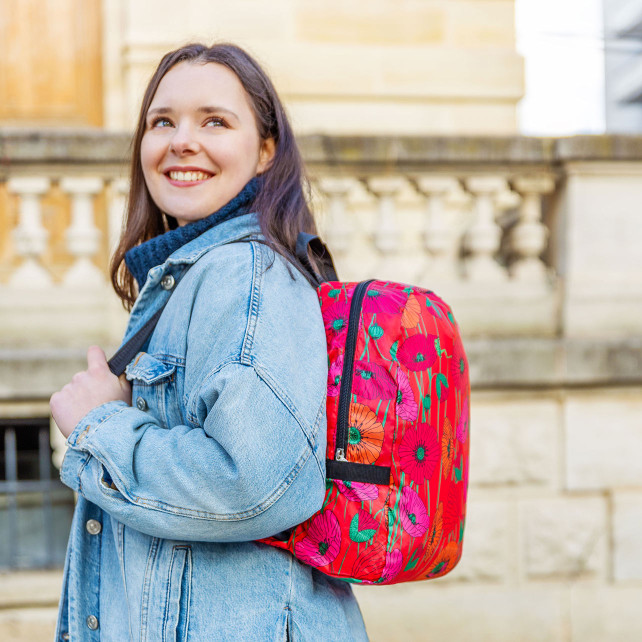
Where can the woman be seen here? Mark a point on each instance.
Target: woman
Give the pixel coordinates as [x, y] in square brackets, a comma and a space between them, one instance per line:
[224, 442]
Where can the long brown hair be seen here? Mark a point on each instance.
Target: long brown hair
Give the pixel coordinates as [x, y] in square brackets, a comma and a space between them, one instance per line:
[281, 201]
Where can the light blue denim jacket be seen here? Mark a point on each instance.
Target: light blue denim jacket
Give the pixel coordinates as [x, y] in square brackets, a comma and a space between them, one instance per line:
[224, 443]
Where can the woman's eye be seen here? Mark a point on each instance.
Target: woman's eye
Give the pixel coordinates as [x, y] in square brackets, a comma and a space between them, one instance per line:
[160, 122]
[215, 122]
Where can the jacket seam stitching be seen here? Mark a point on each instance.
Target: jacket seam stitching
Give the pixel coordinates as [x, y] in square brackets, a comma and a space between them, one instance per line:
[253, 313]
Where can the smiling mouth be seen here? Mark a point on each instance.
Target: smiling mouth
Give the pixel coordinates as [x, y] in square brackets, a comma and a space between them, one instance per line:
[188, 177]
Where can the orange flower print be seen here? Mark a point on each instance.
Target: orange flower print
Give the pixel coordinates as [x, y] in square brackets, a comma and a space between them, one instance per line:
[446, 560]
[365, 435]
[435, 532]
[447, 446]
[411, 312]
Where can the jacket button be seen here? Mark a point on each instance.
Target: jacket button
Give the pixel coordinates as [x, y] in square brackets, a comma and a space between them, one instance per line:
[92, 622]
[93, 526]
[65, 636]
[141, 404]
[167, 282]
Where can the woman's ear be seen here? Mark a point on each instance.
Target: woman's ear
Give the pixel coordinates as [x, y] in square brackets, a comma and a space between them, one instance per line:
[266, 155]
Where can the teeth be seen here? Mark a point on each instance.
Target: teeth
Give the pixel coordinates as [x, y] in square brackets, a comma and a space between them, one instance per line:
[188, 176]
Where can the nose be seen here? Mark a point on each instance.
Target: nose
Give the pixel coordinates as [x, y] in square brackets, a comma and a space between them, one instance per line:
[184, 141]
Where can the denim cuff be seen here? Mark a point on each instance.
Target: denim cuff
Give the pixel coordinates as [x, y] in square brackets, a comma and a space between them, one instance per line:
[90, 422]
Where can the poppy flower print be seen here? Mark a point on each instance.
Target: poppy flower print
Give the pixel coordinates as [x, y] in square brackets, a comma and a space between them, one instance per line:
[407, 403]
[322, 542]
[462, 424]
[363, 527]
[394, 560]
[418, 352]
[419, 453]
[357, 491]
[414, 516]
[406, 407]
[334, 376]
[436, 529]
[447, 446]
[365, 435]
[411, 313]
[372, 381]
[446, 560]
[459, 366]
[335, 317]
[388, 301]
[369, 565]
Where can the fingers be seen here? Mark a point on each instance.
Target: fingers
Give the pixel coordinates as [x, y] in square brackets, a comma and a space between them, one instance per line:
[96, 359]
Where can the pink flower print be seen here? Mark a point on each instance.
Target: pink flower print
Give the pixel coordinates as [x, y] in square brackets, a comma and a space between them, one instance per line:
[459, 366]
[388, 301]
[394, 560]
[419, 453]
[462, 424]
[418, 352]
[414, 516]
[334, 377]
[321, 544]
[357, 491]
[406, 407]
[372, 381]
[335, 318]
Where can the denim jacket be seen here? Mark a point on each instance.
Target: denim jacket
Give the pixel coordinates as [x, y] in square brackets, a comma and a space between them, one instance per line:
[224, 443]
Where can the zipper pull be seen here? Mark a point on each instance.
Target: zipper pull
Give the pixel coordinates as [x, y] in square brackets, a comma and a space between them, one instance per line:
[340, 455]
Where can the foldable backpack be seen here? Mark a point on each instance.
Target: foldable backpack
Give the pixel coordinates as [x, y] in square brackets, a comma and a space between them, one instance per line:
[398, 430]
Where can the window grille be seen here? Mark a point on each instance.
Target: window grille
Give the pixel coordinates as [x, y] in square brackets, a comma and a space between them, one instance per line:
[35, 507]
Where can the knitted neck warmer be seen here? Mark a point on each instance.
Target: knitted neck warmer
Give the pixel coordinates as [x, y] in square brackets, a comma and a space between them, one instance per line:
[142, 258]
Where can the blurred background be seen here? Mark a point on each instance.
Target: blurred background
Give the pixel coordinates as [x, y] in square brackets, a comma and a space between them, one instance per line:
[487, 149]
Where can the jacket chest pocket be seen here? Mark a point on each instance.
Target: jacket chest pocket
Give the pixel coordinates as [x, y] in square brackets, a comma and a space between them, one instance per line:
[154, 388]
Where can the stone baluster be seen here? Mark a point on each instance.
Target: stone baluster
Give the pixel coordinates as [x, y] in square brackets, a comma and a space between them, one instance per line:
[83, 236]
[440, 240]
[30, 236]
[118, 191]
[386, 233]
[338, 228]
[529, 237]
[483, 237]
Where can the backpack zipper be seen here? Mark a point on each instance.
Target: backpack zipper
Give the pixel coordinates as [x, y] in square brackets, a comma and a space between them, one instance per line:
[348, 370]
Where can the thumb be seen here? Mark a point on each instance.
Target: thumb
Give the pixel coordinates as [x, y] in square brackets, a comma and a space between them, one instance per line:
[96, 359]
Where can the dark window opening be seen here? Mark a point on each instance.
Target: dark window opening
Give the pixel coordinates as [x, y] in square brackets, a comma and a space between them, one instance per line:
[35, 507]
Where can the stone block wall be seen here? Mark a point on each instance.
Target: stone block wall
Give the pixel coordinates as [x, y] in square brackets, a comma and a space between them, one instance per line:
[552, 548]
[342, 67]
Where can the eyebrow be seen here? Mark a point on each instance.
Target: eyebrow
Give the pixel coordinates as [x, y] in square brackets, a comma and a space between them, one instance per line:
[207, 109]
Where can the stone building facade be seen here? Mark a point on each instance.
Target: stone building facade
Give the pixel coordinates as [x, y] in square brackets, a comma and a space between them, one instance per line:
[406, 118]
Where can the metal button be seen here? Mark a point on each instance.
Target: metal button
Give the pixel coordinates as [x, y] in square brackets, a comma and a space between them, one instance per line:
[93, 526]
[92, 622]
[141, 404]
[65, 636]
[167, 282]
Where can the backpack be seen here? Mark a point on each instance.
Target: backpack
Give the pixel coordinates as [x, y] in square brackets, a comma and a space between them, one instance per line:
[398, 433]
[398, 430]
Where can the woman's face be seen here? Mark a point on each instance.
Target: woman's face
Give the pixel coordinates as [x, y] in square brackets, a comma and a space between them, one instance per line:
[201, 144]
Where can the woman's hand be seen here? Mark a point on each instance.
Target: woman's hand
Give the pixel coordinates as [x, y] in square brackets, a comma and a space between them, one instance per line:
[88, 389]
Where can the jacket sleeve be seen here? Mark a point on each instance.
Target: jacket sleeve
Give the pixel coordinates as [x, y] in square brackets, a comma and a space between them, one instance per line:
[232, 484]
[250, 460]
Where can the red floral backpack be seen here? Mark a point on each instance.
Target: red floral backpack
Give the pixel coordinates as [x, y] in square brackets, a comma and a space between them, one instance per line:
[398, 434]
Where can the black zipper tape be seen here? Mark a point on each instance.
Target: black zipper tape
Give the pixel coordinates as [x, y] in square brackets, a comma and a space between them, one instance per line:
[345, 393]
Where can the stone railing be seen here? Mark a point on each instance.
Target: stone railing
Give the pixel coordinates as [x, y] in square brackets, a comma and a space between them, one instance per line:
[491, 224]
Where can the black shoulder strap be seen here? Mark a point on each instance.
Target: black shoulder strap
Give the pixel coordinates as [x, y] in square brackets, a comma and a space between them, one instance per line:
[308, 242]
[129, 350]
